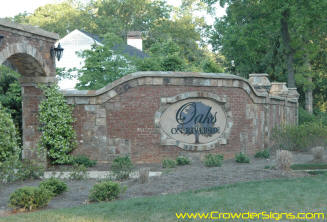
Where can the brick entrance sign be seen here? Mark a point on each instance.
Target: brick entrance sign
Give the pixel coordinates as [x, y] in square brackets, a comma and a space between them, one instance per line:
[155, 115]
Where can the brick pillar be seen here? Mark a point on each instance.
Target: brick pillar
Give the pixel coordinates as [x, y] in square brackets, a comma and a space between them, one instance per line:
[31, 98]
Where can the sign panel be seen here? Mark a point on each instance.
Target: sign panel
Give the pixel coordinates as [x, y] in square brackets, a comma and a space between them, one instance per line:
[194, 121]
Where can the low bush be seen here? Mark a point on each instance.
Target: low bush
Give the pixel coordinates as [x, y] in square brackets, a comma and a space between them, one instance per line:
[283, 159]
[29, 169]
[56, 186]
[79, 172]
[168, 163]
[182, 160]
[105, 191]
[84, 160]
[265, 154]
[122, 167]
[212, 160]
[29, 198]
[242, 158]
[299, 138]
[13, 170]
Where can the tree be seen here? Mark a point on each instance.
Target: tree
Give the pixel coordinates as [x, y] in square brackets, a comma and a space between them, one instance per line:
[271, 36]
[62, 18]
[103, 64]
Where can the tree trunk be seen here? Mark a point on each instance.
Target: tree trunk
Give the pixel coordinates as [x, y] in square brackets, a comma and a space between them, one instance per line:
[308, 91]
[289, 51]
[309, 98]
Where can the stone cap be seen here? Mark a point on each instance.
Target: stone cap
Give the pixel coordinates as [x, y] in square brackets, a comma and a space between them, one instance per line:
[28, 28]
[169, 74]
[260, 82]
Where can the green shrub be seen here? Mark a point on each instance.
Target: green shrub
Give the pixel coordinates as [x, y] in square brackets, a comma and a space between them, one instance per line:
[84, 160]
[213, 160]
[29, 198]
[29, 169]
[58, 137]
[265, 154]
[242, 158]
[79, 172]
[13, 170]
[104, 191]
[8, 137]
[122, 167]
[299, 138]
[167, 163]
[181, 160]
[56, 186]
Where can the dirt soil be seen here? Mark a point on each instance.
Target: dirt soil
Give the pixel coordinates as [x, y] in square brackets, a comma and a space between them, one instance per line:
[183, 178]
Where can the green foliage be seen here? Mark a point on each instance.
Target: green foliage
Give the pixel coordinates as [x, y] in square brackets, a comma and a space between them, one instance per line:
[60, 18]
[84, 160]
[79, 172]
[242, 158]
[122, 167]
[182, 160]
[263, 154]
[105, 191]
[8, 136]
[29, 198]
[305, 116]
[13, 170]
[103, 65]
[56, 186]
[209, 65]
[10, 95]
[58, 137]
[213, 160]
[168, 163]
[299, 138]
[29, 169]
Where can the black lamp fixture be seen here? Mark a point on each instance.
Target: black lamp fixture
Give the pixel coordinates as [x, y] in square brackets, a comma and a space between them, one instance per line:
[1, 38]
[56, 51]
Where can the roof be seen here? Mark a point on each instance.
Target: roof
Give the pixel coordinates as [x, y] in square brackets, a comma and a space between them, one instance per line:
[93, 36]
[126, 49]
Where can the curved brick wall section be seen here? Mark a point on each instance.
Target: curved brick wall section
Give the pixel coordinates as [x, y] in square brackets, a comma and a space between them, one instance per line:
[121, 118]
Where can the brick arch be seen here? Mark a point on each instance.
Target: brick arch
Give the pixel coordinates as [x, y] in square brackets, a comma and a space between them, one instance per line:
[26, 59]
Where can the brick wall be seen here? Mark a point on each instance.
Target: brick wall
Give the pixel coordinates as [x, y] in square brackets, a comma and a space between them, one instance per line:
[120, 118]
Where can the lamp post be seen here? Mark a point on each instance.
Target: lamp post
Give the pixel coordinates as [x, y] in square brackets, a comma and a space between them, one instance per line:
[57, 52]
[1, 38]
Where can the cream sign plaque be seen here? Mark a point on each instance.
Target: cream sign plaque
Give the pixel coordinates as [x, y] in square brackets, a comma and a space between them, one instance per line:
[191, 123]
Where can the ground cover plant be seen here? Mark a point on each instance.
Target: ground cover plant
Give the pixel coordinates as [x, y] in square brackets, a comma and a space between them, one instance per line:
[168, 163]
[282, 195]
[263, 154]
[56, 186]
[30, 198]
[242, 158]
[213, 160]
[182, 160]
[122, 167]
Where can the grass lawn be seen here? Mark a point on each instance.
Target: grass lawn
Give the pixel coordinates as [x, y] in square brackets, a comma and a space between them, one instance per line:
[287, 195]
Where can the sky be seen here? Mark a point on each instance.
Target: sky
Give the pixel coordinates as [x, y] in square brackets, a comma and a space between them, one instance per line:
[10, 8]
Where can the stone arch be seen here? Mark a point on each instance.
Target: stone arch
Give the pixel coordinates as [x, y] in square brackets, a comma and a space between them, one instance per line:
[27, 49]
[26, 59]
